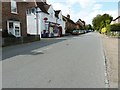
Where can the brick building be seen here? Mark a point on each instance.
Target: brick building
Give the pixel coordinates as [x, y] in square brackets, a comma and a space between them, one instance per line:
[69, 24]
[14, 17]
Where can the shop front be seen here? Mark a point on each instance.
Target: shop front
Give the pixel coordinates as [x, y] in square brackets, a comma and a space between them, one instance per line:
[51, 30]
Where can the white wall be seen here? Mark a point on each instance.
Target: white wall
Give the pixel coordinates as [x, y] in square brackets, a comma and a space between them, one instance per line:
[31, 24]
[42, 21]
[61, 22]
[51, 16]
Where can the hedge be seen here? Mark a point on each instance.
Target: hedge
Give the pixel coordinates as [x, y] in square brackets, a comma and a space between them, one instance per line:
[113, 27]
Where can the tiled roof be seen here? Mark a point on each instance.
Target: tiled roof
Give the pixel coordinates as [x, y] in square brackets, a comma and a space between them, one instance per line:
[69, 20]
[57, 12]
[43, 6]
[116, 18]
[47, 7]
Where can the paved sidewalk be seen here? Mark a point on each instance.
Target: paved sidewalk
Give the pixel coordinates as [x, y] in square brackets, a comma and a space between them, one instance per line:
[111, 52]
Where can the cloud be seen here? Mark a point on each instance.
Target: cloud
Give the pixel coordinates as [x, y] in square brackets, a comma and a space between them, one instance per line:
[97, 6]
[87, 11]
[60, 6]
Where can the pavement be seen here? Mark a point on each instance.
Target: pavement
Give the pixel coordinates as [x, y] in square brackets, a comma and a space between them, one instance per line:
[111, 52]
[70, 62]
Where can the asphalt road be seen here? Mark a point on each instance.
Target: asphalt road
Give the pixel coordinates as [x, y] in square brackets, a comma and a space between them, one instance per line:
[68, 62]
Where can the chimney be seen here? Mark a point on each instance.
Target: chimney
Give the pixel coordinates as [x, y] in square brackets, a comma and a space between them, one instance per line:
[68, 16]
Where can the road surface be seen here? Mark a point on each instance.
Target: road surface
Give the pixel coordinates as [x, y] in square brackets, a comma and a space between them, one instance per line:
[67, 62]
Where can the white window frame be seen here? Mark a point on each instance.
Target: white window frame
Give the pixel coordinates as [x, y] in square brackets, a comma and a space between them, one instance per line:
[13, 2]
[15, 23]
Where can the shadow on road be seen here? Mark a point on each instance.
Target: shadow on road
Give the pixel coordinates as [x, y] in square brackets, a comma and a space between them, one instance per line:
[8, 52]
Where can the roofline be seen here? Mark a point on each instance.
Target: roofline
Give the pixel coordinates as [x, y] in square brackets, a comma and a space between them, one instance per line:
[116, 18]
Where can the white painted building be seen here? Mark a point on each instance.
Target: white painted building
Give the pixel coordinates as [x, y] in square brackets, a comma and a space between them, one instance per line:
[35, 21]
[59, 20]
[44, 23]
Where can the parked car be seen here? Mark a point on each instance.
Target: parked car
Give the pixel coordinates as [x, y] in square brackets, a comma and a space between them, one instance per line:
[76, 32]
[82, 32]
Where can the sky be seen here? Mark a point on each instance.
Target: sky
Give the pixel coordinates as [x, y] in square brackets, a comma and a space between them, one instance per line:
[85, 9]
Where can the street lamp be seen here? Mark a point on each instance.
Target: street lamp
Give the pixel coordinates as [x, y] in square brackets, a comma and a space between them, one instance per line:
[37, 20]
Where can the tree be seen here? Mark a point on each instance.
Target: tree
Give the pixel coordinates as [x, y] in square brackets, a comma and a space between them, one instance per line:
[89, 26]
[101, 21]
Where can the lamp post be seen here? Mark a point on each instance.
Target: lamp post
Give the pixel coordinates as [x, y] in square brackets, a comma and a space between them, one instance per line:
[37, 21]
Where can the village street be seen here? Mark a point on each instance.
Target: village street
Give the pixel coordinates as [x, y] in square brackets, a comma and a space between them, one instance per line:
[67, 62]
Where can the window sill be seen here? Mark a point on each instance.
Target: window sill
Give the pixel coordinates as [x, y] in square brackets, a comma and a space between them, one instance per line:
[14, 12]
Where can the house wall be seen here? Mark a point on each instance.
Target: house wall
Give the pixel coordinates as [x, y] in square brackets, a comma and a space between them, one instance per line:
[42, 16]
[31, 24]
[20, 16]
[61, 22]
[51, 16]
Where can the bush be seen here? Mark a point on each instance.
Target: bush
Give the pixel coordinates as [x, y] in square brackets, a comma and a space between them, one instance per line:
[114, 27]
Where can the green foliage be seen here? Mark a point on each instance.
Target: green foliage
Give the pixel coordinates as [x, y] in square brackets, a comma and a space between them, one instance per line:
[101, 21]
[114, 27]
[87, 27]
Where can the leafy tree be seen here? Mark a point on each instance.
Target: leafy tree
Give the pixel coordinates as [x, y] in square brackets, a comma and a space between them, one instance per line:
[101, 21]
[87, 27]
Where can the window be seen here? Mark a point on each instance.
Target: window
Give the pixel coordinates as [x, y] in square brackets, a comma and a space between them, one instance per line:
[10, 25]
[30, 11]
[14, 28]
[13, 6]
[17, 31]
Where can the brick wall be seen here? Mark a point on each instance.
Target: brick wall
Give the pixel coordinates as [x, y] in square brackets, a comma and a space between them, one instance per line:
[21, 16]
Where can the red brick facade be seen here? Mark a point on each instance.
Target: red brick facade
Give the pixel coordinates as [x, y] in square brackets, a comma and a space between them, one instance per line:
[20, 16]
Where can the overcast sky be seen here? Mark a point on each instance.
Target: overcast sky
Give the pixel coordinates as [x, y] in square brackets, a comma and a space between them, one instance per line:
[85, 9]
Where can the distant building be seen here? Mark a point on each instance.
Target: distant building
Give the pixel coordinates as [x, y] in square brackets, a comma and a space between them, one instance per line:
[69, 24]
[80, 24]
